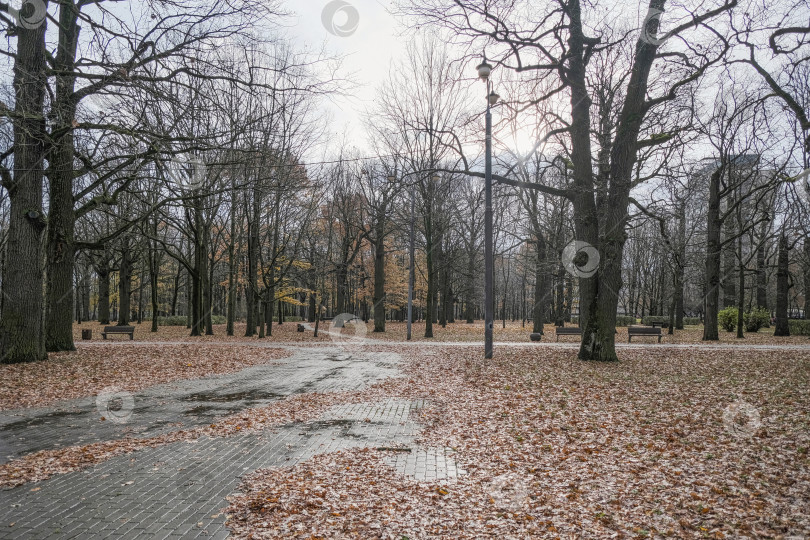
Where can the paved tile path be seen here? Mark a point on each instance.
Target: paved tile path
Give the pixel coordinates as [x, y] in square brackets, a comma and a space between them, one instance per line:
[178, 490]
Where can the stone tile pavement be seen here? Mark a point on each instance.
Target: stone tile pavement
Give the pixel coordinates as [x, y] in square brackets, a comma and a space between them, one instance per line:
[179, 490]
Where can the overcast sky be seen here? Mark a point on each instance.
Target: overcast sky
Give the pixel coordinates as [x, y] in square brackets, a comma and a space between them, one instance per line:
[369, 47]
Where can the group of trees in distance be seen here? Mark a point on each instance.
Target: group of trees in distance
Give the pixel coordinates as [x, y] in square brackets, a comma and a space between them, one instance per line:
[160, 162]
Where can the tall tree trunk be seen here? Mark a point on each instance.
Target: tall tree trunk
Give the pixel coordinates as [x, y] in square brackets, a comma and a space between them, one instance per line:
[59, 292]
[208, 290]
[540, 300]
[713, 227]
[586, 221]
[139, 314]
[252, 292]
[680, 265]
[379, 279]
[431, 273]
[85, 293]
[598, 336]
[729, 262]
[471, 273]
[782, 284]
[762, 283]
[21, 332]
[103, 272]
[807, 277]
[154, 268]
[559, 309]
[232, 269]
[124, 284]
[741, 296]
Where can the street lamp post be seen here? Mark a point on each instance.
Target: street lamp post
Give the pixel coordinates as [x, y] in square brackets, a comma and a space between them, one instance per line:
[484, 70]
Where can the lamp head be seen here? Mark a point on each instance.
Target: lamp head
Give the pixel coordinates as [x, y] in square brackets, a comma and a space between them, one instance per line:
[484, 69]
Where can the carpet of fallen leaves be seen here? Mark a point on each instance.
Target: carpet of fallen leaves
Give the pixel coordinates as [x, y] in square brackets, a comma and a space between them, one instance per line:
[90, 369]
[285, 332]
[666, 443]
[459, 331]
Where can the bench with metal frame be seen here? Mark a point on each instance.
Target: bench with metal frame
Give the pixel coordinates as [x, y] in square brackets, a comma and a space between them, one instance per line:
[643, 331]
[120, 330]
[567, 331]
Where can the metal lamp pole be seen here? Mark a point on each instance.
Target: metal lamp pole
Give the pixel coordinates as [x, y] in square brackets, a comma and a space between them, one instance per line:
[411, 272]
[484, 71]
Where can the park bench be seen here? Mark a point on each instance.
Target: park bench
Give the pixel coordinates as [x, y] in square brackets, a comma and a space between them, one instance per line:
[567, 331]
[111, 330]
[657, 324]
[643, 331]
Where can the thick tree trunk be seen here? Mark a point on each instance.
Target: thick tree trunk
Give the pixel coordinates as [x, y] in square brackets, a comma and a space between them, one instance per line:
[782, 327]
[586, 221]
[59, 292]
[598, 336]
[21, 333]
[713, 227]
[342, 276]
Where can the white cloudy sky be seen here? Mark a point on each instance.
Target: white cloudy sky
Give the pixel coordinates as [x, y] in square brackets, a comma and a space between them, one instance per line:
[368, 53]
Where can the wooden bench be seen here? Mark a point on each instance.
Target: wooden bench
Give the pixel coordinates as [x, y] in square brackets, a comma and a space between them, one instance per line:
[643, 331]
[567, 331]
[657, 324]
[122, 330]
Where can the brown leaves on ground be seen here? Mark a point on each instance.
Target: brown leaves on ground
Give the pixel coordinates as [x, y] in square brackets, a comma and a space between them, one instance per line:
[129, 367]
[285, 332]
[656, 445]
